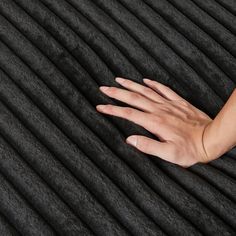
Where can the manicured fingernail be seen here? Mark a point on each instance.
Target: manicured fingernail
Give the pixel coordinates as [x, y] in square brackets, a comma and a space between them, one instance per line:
[100, 107]
[119, 80]
[132, 140]
[104, 88]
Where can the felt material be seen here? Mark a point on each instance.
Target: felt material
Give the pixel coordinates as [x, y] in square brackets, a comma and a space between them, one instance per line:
[64, 167]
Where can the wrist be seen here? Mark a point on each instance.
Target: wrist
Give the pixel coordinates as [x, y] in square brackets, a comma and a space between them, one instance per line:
[208, 143]
[214, 143]
[219, 136]
[207, 157]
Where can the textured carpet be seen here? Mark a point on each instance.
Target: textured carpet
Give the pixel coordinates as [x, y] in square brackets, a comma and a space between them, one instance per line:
[65, 168]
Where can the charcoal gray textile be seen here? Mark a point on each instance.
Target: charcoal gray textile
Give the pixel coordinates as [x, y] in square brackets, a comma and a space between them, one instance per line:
[65, 168]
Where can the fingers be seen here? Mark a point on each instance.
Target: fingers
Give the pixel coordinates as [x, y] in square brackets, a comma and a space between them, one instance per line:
[146, 120]
[138, 88]
[162, 89]
[131, 98]
[152, 147]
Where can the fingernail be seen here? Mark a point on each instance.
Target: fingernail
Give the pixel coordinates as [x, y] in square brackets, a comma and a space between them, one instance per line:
[103, 88]
[119, 80]
[100, 107]
[132, 140]
[147, 80]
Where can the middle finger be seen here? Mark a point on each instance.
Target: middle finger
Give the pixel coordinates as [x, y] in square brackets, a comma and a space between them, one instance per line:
[143, 90]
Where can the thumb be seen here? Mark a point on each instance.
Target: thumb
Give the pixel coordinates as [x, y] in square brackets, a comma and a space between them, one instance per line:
[152, 147]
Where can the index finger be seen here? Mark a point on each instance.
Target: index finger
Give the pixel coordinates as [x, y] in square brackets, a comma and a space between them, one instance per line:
[146, 120]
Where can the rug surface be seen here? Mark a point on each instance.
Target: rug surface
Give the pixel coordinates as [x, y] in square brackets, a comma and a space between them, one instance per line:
[65, 168]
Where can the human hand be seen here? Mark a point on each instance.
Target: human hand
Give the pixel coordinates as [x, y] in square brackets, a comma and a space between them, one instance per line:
[178, 124]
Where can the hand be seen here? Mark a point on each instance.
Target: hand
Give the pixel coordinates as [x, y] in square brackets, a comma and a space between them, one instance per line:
[178, 124]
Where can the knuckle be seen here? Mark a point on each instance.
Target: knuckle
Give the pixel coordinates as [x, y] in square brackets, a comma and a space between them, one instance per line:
[135, 96]
[112, 90]
[146, 90]
[164, 107]
[109, 107]
[128, 111]
[187, 116]
[184, 103]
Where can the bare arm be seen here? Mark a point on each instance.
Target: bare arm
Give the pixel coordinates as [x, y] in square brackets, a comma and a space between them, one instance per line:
[220, 135]
[187, 135]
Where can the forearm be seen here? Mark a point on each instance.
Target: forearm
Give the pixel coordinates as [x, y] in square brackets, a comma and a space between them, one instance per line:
[220, 135]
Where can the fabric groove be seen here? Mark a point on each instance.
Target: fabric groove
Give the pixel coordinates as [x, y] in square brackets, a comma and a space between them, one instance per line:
[70, 93]
[180, 74]
[180, 89]
[106, 79]
[226, 164]
[50, 208]
[69, 39]
[93, 169]
[36, 95]
[65, 168]
[196, 35]
[222, 35]
[25, 219]
[162, 45]
[174, 85]
[59, 54]
[228, 5]
[210, 192]
[219, 13]
[213, 176]
[184, 49]
[231, 86]
[129, 185]
[131, 42]
[71, 101]
[95, 39]
[231, 152]
[62, 60]
[74, 192]
[6, 228]
[40, 96]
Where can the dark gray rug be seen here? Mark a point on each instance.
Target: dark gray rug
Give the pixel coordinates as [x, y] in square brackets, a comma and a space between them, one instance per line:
[65, 168]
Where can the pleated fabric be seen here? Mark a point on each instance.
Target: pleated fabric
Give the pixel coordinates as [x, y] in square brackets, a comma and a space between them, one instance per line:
[65, 168]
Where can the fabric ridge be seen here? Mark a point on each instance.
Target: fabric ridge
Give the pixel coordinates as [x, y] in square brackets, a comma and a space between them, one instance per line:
[64, 167]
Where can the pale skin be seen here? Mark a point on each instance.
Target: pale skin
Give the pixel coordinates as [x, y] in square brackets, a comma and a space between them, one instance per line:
[186, 134]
